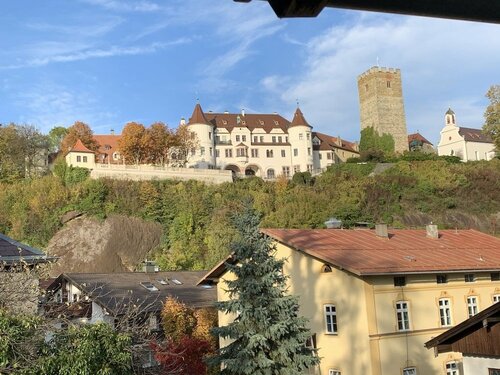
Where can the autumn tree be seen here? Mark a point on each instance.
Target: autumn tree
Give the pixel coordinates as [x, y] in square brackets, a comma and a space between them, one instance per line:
[132, 143]
[158, 140]
[492, 116]
[184, 141]
[187, 338]
[79, 131]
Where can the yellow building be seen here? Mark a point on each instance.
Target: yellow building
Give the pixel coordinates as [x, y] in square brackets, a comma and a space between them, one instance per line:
[374, 297]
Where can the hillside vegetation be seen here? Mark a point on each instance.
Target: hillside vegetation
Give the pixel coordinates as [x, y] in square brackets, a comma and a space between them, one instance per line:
[196, 217]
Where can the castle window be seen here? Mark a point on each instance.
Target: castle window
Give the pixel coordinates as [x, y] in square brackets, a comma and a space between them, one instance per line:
[409, 371]
[261, 139]
[269, 153]
[270, 173]
[388, 84]
[78, 159]
[296, 168]
[308, 136]
[309, 151]
[472, 308]
[229, 153]
[301, 136]
[330, 319]
[444, 312]
[469, 278]
[217, 153]
[366, 87]
[274, 139]
[286, 171]
[441, 279]
[402, 316]
[399, 281]
[243, 138]
[84, 159]
[319, 155]
[202, 151]
[452, 368]
[326, 268]
[209, 135]
[295, 152]
[283, 153]
[280, 140]
[255, 139]
[254, 152]
[237, 138]
[495, 276]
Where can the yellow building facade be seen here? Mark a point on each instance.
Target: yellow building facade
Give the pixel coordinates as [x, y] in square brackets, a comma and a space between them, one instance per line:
[372, 314]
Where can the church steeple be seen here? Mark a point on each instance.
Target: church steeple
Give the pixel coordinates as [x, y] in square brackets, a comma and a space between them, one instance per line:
[198, 117]
[299, 119]
[450, 117]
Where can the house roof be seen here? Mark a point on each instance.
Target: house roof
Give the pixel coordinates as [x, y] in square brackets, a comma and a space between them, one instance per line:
[405, 251]
[13, 252]
[417, 137]
[299, 119]
[328, 142]
[115, 291]
[198, 117]
[474, 135]
[108, 144]
[485, 318]
[80, 147]
[267, 122]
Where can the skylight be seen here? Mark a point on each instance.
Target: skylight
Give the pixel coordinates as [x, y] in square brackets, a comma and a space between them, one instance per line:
[163, 282]
[177, 282]
[149, 286]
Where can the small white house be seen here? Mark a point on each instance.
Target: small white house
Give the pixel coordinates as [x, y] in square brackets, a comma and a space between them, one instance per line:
[467, 143]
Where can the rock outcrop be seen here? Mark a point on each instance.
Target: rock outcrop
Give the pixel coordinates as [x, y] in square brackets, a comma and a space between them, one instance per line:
[117, 244]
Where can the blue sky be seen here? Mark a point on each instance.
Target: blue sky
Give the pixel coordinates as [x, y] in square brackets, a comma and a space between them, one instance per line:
[108, 62]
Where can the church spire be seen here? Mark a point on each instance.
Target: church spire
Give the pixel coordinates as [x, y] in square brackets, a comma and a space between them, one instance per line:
[198, 117]
[299, 119]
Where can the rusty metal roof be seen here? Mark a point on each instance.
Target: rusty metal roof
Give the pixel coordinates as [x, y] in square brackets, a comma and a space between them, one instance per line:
[362, 252]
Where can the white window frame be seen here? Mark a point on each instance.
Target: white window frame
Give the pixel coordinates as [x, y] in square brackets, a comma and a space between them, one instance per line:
[410, 371]
[445, 312]
[452, 368]
[333, 371]
[331, 324]
[472, 306]
[402, 315]
[496, 298]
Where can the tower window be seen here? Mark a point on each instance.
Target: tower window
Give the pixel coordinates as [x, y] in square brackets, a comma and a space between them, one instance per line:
[388, 84]
[366, 87]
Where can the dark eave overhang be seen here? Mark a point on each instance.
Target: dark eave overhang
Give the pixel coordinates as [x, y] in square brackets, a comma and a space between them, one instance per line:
[468, 10]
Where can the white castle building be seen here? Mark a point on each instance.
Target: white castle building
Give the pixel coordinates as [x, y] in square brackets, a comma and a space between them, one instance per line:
[264, 145]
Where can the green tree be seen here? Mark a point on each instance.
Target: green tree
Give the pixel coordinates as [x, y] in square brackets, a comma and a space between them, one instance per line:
[87, 349]
[56, 135]
[268, 335]
[372, 140]
[492, 116]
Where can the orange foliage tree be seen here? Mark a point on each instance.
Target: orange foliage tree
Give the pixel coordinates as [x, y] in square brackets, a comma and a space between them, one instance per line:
[132, 143]
[79, 131]
[157, 142]
[184, 141]
[187, 339]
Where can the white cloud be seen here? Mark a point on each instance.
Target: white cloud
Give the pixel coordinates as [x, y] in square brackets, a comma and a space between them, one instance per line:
[126, 6]
[443, 63]
[47, 104]
[54, 52]
[80, 30]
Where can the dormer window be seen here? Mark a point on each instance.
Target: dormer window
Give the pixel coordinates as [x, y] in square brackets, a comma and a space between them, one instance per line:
[107, 147]
[261, 122]
[326, 268]
[276, 123]
[149, 286]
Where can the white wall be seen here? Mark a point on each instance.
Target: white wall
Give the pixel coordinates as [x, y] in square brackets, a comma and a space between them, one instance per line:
[479, 365]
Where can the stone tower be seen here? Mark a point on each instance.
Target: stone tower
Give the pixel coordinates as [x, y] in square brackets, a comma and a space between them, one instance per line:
[381, 104]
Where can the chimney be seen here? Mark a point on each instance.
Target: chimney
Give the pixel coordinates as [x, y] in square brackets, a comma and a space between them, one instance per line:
[226, 112]
[242, 112]
[381, 230]
[112, 131]
[149, 267]
[432, 231]
[183, 121]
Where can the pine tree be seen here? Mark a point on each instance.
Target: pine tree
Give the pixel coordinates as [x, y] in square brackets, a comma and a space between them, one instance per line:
[268, 335]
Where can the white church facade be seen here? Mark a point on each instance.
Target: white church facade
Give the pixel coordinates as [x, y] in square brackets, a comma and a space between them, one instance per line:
[467, 143]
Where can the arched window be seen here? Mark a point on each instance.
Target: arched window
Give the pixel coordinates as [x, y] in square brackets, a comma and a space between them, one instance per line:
[270, 173]
[326, 268]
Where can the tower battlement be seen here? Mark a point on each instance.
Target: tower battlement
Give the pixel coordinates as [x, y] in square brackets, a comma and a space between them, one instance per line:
[381, 69]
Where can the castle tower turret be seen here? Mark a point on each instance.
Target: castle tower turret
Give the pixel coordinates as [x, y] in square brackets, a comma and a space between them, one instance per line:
[381, 104]
[204, 130]
[300, 138]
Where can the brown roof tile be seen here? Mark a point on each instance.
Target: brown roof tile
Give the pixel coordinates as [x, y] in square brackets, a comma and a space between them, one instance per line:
[80, 147]
[229, 121]
[198, 117]
[474, 135]
[328, 142]
[299, 119]
[108, 144]
[406, 251]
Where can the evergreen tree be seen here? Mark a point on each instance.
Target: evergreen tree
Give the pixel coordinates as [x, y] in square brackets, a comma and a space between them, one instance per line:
[268, 335]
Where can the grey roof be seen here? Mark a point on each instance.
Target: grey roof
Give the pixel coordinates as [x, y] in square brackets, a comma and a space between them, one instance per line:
[116, 291]
[14, 252]
[450, 112]
[474, 135]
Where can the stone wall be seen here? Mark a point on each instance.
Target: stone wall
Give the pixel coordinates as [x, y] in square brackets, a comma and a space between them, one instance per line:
[381, 104]
[146, 172]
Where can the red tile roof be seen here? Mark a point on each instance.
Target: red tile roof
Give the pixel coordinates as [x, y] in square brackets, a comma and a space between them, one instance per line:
[80, 147]
[328, 142]
[108, 144]
[229, 121]
[418, 137]
[406, 251]
[198, 117]
[299, 119]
